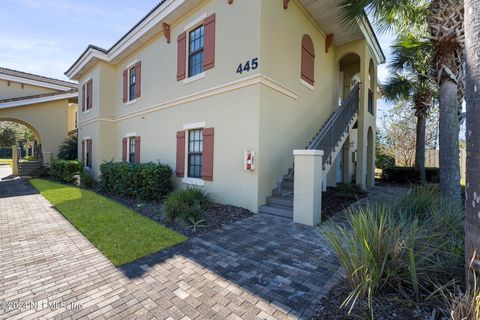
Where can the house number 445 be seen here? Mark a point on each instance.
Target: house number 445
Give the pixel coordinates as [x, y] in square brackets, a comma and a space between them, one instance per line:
[247, 66]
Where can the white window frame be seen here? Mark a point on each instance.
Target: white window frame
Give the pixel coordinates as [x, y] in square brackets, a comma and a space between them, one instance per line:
[186, 179]
[85, 150]
[188, 28]
[129, 136]
[129, 67]
[87, 110]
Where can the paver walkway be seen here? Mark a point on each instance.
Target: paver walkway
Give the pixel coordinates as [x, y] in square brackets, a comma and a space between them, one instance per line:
[263, 267]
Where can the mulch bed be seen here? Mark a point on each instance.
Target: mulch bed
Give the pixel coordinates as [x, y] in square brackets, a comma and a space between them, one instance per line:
[335, 201]
[386, 307]
[215, 217]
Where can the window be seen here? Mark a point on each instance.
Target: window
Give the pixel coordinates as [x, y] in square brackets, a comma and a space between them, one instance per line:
[131, 149]
[87, 93]
[87, 152]
[132, 83]
[195, 51]
[195, 149]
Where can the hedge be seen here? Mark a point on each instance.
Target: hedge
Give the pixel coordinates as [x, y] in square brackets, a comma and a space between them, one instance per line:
[145, 181]
[408, 175]
[65, 170]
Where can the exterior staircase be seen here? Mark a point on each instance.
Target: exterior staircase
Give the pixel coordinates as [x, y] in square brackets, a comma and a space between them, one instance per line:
[27, 168]
[330, 139]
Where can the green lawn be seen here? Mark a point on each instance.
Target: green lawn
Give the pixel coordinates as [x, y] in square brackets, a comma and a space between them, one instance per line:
[6, 161]
[120, 233]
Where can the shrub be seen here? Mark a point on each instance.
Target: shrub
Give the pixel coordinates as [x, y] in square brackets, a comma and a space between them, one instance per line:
[407, 175]
[66, 170]
[384, 161]
[68, 150]
[28, 158]
[399, 247]
[187, 204]
[144, 181]
[86, 180]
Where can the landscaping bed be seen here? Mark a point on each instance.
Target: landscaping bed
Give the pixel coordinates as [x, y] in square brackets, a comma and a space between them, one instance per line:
[216, 216]
[335, 200]
[388, 307]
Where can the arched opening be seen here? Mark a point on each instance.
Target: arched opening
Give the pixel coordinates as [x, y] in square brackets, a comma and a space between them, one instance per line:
[370, 158]
[308, 60]
[22, 134]
[372, 86]
[349, 69]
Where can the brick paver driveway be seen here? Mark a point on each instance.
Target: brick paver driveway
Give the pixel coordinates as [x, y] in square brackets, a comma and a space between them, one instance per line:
[263, 267]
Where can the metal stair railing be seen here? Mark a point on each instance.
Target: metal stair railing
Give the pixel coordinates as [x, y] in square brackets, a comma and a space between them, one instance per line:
[333, 130]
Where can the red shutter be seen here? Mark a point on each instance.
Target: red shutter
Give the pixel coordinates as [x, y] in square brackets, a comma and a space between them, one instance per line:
[90, 94]
[125, 86]
[137, 149]
[181, 56]
[207, 154]
[124, 149]
[180, 153]
[209, 50]
[308, 60]
[138, 75]
[83, 98]
[89, 150]
[83, 152]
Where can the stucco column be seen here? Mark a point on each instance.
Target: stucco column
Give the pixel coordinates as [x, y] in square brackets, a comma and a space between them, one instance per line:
[47, 157]
[307, 198]
[361, 170]
[15, 160]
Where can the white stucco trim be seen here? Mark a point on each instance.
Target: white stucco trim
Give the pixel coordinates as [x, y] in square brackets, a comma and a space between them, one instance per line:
[131, 134]
[131, 64]
[308, 152]
[34, 82]
[196, 125]
[194, 78]
[193, 181]
[195, 22]
[86, 138]
[306, 84]
[27, 102]
[227, 87]
[128, 103]
[372, 41]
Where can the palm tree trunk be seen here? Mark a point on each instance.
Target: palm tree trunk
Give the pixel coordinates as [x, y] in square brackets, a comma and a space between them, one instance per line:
[420, 148]
[449, 140]
[472, 205]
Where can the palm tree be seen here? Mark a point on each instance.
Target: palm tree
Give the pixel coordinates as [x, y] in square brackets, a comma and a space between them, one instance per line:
[410, 81]
[446, 32]
[472, 205]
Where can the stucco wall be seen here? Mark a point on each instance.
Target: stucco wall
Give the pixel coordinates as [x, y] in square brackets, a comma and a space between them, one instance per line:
[49, 121]
[15, 90]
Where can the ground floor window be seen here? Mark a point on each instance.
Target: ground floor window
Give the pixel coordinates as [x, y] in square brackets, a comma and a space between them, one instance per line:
[87, 151]
[131, 149]
[195, 149]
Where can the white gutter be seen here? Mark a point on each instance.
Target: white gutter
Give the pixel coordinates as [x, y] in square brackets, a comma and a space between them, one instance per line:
[26, 102]
[34, 82]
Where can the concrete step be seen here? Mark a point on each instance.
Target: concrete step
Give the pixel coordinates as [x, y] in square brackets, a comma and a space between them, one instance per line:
[277, 211]
[289, 183]
[285, 201]
[284, 192]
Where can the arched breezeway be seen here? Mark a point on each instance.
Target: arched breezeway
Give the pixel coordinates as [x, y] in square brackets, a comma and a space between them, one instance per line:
[50, 122]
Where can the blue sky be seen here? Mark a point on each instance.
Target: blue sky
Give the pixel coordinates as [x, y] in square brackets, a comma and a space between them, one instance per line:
[46, 36]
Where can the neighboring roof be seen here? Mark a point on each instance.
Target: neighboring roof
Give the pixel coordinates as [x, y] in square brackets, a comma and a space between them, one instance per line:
[34, 77]
[39, 98]
[43, 95]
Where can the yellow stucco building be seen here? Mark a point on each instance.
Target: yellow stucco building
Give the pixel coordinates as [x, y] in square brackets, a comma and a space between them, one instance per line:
[224, 91]
[48, 107]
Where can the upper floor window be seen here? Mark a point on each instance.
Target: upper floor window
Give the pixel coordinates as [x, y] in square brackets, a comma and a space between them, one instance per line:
[308, 60]
[132, 83]
[87, 95]
[195, 51]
